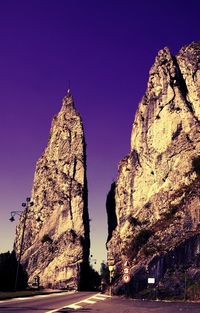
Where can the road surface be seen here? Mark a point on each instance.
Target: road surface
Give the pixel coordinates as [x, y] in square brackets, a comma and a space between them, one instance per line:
[88, 302]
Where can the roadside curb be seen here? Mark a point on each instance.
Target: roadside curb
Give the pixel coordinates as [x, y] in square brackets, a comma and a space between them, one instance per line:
[39, 293]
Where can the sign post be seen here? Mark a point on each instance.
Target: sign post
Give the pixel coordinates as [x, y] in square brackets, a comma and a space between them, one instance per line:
[126, 276]
[152, 281]
[111, 268]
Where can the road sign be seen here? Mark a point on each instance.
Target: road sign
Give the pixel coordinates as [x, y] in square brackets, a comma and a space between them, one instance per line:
[151, 280]
[126, 278]
[111, 268]
[126, 270]
[126, 264]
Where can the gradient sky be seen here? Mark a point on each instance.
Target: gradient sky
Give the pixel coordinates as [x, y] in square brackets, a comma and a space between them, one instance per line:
[105, 48]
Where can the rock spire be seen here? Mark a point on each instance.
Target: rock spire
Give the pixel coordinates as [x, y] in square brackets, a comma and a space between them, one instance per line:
[56, 242]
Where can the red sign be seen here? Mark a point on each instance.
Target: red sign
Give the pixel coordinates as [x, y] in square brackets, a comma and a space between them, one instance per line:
[126, 278]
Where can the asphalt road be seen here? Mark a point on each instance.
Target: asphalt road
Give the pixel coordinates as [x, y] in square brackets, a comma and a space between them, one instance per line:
[88, 302]
[42, 303]
[117, 305]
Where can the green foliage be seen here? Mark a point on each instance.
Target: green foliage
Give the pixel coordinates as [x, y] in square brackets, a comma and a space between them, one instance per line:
[193, 291]
[133, 221]
[147, 205]
[141, 238]
[89, 278]
[94, 279]
[46, 238]
[138, 242]
[172, 211]
[104, 272]
[196, 164]
[150, 250]
[8, 269]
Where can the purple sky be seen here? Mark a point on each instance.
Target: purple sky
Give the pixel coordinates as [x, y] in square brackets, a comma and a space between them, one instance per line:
[105, 48]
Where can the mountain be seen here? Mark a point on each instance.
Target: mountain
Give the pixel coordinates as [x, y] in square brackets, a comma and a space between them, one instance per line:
[156, 201]
[56, 239]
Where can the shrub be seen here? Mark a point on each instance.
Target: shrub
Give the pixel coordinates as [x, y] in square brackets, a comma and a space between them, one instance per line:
[196, 164]
[171, 212]
[71, 235]
[8, 269]
[142, 238]
[133, 221]
[46, 238]
[149, 250]
[147, 205]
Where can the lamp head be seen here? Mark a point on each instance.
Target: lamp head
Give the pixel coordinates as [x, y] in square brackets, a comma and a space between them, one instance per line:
[12, 219]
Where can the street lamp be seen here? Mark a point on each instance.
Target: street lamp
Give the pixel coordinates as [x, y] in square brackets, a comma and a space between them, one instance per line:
[25, 205]
[92, 260]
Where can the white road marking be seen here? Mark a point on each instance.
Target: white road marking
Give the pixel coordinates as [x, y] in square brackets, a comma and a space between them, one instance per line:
[88, 301]
[77, 305]
[99, 298]
[73, 306]
[70, 306]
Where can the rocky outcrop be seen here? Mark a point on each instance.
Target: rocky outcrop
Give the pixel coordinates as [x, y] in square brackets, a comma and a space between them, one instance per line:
[56, 240]
[157, 190]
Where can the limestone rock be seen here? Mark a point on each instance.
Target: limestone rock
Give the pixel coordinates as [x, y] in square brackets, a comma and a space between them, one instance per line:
[56, 242]
[157, 199]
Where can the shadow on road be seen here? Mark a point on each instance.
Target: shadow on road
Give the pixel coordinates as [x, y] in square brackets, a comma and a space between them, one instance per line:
[82, 310]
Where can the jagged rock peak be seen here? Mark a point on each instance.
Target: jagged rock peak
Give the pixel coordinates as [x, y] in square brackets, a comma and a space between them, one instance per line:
[56, 241]
[157, 190]
[68, 99]
[191, 52]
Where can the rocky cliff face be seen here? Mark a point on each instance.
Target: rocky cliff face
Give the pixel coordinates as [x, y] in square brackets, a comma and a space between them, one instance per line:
[157, 198]
[56, 240]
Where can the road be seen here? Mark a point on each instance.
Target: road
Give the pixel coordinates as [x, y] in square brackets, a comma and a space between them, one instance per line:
[42, 303]
[88, 302]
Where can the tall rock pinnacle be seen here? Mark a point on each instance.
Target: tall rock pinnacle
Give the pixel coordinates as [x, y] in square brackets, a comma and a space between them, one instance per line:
[157, 199]
[56, 241]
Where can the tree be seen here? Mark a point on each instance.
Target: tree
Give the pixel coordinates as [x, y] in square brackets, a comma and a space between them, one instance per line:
[8, 268]
[105, 276]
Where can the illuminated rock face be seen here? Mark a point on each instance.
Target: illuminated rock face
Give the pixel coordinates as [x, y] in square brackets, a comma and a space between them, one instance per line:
[56, 242]
[157, 194]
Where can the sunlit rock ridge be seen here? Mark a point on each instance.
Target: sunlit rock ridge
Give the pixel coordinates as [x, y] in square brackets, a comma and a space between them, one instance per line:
[56, 242]
[157, 194]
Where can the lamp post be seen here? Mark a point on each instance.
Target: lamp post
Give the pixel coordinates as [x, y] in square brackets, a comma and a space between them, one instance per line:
[25, 205]
[111, 268]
